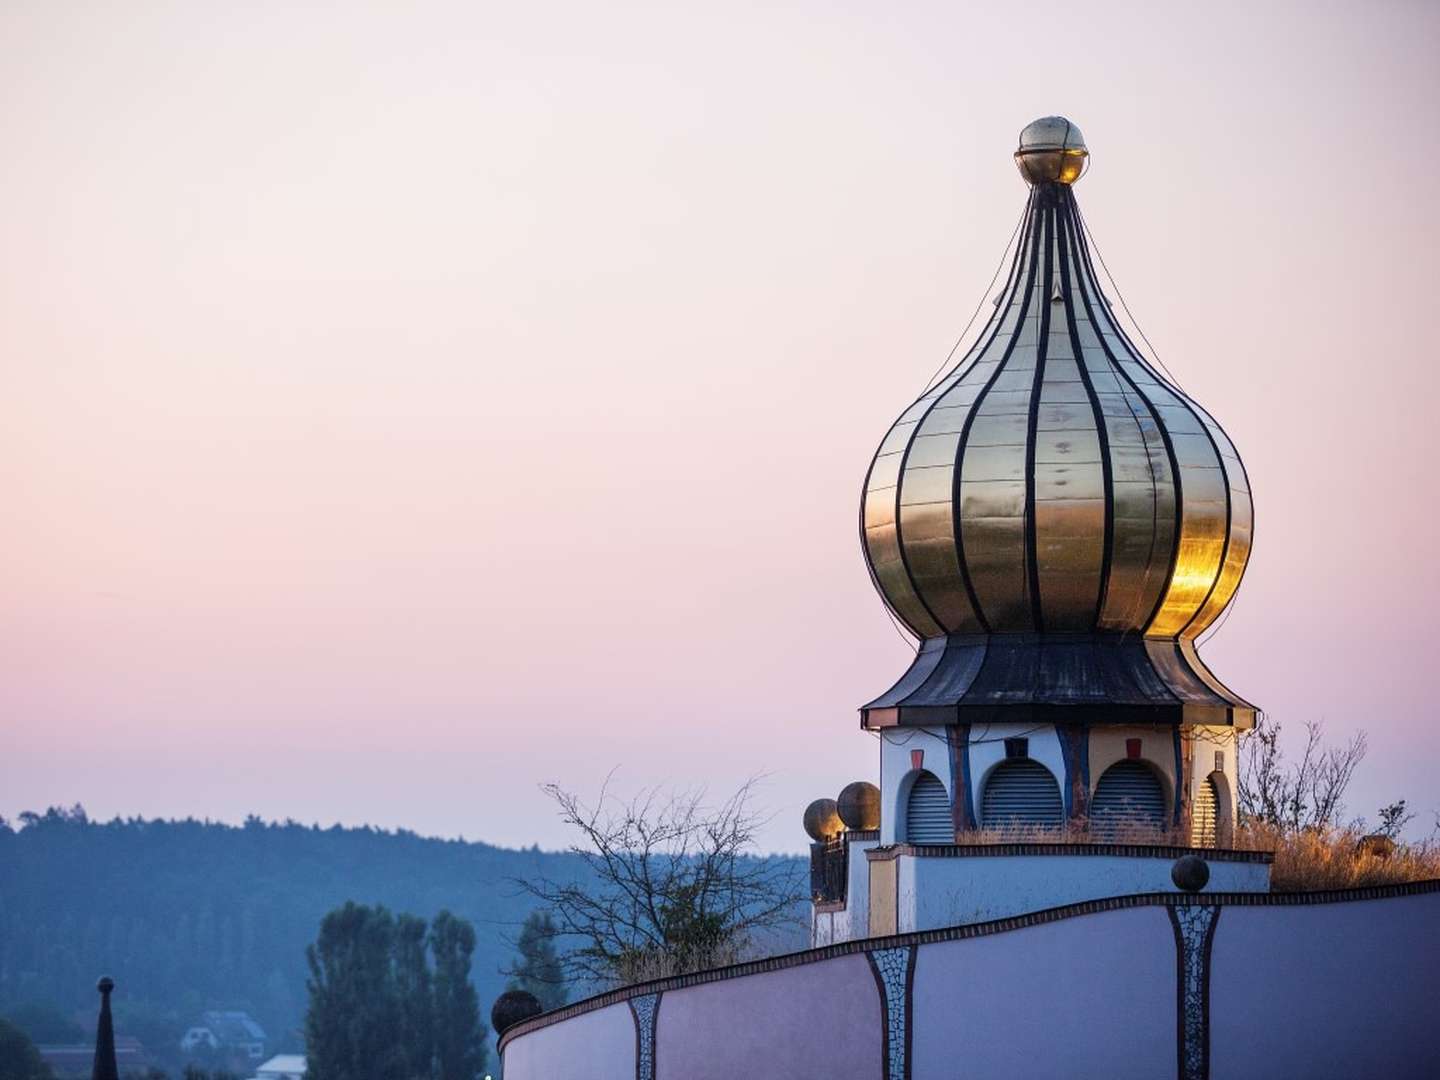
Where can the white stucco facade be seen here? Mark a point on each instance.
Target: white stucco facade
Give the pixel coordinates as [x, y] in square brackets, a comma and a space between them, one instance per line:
[904, 755]
[938, 890]
[843, 922]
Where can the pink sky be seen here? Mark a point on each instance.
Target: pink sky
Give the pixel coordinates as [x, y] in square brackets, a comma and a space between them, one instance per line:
[406, 405]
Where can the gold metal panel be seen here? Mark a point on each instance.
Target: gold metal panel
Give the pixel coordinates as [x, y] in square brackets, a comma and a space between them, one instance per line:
[896, 438]
[913, 413]
[1059, 392]
[932, 449]
[1179, 421]
[961, 397]
[991, 498]
[879, 507]
[1129, 463]
[1058, 351]
[945, 421]
[1194, 452]
[995, 553]
[1069, 445]
[895, 583]
[1008, 402]
[1118, 406]
[1237, 553]
[885, 472]
[1202, 542]
[1105, 381]
[1061, 369]
[1069, 557]
[929, 538]
[1069, 493]
[927, 485]
[1005, 429]
[1072, 480]
[1022, 358]
[994, 463]
[1017, 381]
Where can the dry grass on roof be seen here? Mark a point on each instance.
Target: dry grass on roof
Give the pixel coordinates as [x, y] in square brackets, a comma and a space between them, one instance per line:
[1306, 860]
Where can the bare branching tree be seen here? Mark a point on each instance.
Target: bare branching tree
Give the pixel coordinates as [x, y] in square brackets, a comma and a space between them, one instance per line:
[672, 886]
[1305, 794]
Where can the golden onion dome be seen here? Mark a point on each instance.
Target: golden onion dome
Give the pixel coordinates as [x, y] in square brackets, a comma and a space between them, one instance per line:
[1054, 485]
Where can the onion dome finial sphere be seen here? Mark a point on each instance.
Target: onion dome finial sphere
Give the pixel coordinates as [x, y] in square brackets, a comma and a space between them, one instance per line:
[822, 820]
[859, 806]
[511, 1007]
[1051, 150]
[105, 984]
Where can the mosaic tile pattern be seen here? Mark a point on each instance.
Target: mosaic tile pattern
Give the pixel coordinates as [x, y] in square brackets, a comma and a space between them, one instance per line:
[1194, 923]
[644, 1008]
[893, 968]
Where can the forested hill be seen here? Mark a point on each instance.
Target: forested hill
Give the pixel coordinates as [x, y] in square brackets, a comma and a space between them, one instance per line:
[189, 915]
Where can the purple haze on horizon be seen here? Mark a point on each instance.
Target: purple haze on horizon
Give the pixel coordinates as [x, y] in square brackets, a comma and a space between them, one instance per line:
[405, 407]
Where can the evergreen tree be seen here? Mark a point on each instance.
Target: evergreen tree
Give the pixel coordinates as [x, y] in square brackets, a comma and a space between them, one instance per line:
[353, 1026]
[19, 1060]
[412, 992]
[45, 1023]
[459, 1032]
[539, 970]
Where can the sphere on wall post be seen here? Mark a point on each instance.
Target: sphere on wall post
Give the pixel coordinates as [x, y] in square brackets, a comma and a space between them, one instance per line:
[512, 1007]
[859, 806]
[822, 820]
[1190, 873]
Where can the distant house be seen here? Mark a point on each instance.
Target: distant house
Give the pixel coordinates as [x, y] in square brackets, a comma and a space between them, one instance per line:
[76, 1062]
[227, 1032]
[282, 1067]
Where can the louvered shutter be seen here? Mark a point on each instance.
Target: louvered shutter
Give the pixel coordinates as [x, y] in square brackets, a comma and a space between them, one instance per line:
[1205, 813]
[1128, 799]
[1021, 792]
[927, 813]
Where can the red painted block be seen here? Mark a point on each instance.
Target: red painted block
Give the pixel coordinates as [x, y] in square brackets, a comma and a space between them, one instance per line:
[1132, 748]
[917, 759]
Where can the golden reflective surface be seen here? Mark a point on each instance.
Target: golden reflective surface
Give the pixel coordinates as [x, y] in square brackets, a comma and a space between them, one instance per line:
[1054, 481]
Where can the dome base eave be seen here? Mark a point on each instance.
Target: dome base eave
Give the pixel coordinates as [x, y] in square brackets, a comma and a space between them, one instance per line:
[1052, 678]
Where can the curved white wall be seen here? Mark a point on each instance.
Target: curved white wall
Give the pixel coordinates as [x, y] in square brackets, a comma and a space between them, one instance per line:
[1341, 985]
[814, 1020]
[940, 891]
[1062, 999]
[596, 1045]
[1329, 990]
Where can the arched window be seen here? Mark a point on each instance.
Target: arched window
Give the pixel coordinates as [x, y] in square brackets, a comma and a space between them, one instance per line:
[1129, 799]
[927, 812]
[1204, 814]
[1021, 792]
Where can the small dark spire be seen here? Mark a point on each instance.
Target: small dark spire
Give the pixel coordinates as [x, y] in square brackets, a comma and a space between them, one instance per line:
[105, 1067]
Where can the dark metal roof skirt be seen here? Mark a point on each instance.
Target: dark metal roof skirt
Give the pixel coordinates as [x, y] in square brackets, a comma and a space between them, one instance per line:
[1089, 678]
